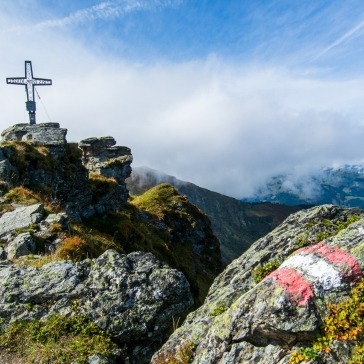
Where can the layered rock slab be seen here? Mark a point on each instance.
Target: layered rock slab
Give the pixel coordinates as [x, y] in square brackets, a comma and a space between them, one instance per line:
[244, 322]
[20, 218]
[40, 134]
[133, 297]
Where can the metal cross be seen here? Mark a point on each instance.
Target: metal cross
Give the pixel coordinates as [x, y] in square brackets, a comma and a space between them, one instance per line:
[29, 82]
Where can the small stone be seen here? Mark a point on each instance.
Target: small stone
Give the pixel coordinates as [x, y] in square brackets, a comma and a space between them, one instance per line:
[99, 359]
[23, 244]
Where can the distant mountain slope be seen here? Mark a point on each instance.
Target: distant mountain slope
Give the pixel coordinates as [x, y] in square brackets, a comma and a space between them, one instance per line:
[237, 224]
[342, 186]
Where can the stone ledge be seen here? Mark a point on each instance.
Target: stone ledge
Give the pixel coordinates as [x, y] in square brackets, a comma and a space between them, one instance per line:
[41, 134]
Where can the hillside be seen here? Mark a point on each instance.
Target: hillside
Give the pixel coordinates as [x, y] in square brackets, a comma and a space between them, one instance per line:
[236, 224]
[84, 270]
[343, 186]
[91, 276]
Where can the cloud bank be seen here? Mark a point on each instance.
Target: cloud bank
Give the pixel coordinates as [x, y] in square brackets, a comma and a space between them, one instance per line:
[223, 124]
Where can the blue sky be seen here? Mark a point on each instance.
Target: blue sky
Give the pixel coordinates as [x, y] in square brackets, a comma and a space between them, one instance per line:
[223, 93]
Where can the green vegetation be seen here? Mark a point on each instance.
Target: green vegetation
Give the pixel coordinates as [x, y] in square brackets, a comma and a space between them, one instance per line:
[345, 322]
[132, 229]
[260, 272]
[148, 223]
[217, 311]
[331, 228]
[302, 240]
[101, 186]
[25, 154]
[164, 201]
[58, 340]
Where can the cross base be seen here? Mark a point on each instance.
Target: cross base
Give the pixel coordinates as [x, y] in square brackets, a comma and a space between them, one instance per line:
[31, 108]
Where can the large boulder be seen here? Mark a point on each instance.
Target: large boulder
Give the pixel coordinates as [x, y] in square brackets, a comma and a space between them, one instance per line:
[320, 254]
[41, 134]
[134, 297]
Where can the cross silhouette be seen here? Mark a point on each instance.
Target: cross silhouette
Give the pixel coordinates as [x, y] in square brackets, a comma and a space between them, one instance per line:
[29, 82]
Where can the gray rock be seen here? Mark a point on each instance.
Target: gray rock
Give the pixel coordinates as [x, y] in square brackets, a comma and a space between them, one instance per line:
[102, 157]
[60, 218]
[22, 245]
[2, 253]
[99, 359]
[133, 297]
[43, 134]
[97, 143]
[58, 168]
[245, 322]
[20, 218]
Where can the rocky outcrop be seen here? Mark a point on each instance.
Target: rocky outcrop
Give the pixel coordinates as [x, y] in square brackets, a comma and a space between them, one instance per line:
[191, 243]
[133, 298]
[320, 254]
[39, 155]
[39, 134]
[103, 158]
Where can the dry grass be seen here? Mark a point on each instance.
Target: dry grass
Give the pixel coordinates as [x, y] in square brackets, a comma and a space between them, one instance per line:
[73, 248]
[22, 195]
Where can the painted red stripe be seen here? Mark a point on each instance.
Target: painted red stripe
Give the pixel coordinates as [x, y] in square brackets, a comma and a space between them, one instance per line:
[299, 290]
[345, 262]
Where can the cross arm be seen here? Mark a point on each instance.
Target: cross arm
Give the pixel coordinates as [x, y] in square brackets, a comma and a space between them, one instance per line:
[16, 80]
[42, 81]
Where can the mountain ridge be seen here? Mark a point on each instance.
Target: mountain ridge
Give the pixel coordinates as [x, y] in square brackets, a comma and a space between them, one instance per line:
[237, 224]
[343, 186]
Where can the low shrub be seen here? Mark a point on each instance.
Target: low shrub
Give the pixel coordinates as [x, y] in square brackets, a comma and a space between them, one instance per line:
[345, 322]
[260, 272]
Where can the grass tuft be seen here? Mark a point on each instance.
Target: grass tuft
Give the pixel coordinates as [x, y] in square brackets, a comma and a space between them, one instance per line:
[57, 340]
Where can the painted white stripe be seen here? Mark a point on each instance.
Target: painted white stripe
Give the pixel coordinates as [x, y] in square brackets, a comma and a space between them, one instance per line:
[322, 274]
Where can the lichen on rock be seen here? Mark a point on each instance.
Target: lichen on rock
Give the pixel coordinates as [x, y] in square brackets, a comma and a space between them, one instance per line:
[266, 322]
[133, 298]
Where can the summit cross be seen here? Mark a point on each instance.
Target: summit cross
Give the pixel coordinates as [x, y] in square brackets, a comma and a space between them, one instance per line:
[29, 82]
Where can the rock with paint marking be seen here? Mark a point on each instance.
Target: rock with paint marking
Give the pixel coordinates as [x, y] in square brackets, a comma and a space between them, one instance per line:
[245, 322]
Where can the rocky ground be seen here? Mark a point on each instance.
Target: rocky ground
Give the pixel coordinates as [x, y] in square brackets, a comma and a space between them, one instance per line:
[251, 317]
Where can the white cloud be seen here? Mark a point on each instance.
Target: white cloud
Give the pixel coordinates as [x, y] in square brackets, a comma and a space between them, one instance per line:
[103, 10]
[222, 125]
[344, 38]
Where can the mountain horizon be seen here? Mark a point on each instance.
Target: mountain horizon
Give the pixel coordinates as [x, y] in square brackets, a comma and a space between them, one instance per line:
[343, 186]
[237, 224]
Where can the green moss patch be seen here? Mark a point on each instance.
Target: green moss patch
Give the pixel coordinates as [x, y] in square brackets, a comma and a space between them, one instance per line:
[57, 340]
[260, 272]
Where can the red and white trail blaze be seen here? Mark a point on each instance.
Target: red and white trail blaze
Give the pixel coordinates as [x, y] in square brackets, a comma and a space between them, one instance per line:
[313, 270]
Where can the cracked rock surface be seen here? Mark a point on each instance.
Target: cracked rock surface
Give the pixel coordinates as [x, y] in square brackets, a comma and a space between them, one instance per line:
[243, 321]
[133, 297]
